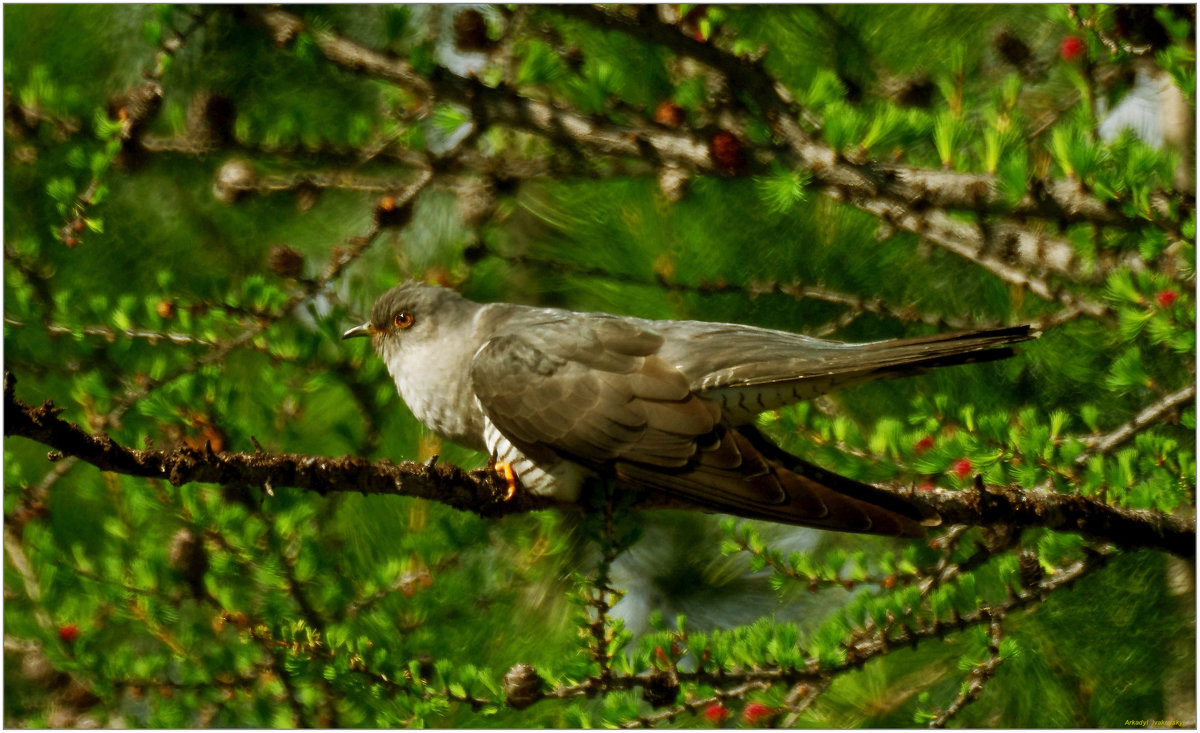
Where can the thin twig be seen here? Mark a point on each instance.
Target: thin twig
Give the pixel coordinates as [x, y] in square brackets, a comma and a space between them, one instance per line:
[979, 676]
[1152, 415]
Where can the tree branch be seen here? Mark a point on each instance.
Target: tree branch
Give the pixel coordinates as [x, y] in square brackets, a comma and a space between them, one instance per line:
[1151, 415]
[1094, 520]
[880, 189]
[439, 482]
[478, 492]
[1053, 200]
[909, 198]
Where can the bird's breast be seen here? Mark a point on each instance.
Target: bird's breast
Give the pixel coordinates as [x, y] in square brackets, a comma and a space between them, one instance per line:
[433, 380]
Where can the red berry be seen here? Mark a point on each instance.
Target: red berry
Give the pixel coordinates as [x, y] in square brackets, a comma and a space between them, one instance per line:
[962, 467]
[68, 633]
[1071, 48]
[715, 713]
[926, 487]
[923, 445]
[755, 712]
[1166, 298]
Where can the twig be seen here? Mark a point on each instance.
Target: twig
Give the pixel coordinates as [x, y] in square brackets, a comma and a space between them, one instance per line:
[980, 675]
[181, 339]
[858, 653]
[1109, 42]
[348, 54]
[691, 706]
[1101, 444]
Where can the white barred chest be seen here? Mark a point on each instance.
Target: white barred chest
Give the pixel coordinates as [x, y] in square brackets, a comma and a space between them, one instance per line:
[558, 478]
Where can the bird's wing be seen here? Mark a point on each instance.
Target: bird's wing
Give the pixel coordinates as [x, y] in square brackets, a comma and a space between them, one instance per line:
[751, 370]
[744, 473]
[594, 390]
[591, 388]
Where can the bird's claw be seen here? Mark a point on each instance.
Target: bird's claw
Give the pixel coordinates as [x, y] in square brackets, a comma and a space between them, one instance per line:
[504, 470]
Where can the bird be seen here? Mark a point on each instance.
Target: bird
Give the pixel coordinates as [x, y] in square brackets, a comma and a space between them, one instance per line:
[559, 398]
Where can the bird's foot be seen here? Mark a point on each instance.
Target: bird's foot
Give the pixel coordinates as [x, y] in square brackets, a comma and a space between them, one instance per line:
[504, 470]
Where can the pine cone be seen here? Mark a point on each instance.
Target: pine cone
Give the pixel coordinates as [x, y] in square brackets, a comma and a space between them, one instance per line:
[1030, 569]
[726, 153]
[188, 557]
[661, 689]
[285, 261]
[522, 686]
[470, 32]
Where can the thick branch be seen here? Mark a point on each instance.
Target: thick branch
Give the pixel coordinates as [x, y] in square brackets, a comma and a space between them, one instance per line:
[440, 482]
[477, 492]
[1094, 520]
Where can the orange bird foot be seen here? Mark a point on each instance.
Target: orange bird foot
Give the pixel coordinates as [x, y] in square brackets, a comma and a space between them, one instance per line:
[504, 469]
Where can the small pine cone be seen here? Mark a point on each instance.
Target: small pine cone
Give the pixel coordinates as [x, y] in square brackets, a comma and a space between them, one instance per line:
[210, 118]
[1012, 49]
[234, 178]
[307, 196]
[670, 114]
[470, 31]
[285, 261]
[917, 91]
[39, 670]
[136, 107]
[78, 696]
[727, 153]
[661, 689]
[522, 686]
[188, 557]
[1030, 568]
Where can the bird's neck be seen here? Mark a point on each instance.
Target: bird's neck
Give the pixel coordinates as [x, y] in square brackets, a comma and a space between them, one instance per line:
[433, 378]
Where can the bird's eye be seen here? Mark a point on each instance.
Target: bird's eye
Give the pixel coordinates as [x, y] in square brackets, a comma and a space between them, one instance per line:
[403, 319]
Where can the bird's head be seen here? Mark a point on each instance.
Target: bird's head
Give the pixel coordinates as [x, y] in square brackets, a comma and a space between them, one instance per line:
[408, 313]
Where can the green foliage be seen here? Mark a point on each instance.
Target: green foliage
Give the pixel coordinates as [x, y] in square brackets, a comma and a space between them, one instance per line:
[783, 189]
[169, 317]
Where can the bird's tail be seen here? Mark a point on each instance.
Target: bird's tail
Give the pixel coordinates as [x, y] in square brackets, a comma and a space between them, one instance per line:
[910, 355]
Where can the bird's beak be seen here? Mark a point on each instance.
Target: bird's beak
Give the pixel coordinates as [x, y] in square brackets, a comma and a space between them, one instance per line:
[365, 329]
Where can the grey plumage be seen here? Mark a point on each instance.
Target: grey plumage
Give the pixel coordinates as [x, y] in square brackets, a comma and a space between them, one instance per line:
[659, 405]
